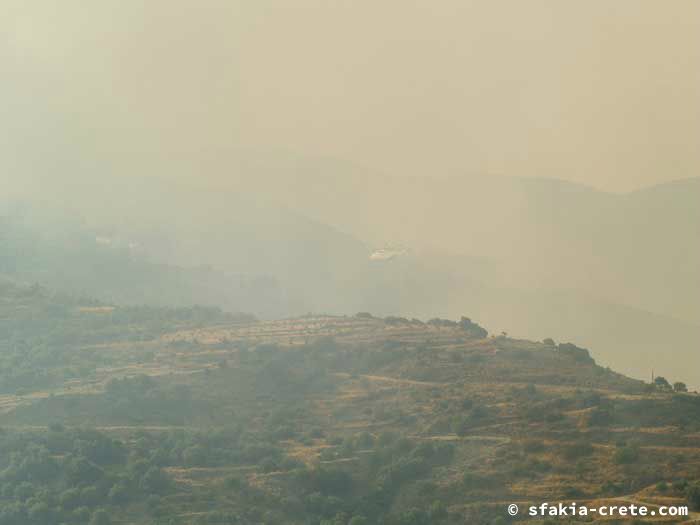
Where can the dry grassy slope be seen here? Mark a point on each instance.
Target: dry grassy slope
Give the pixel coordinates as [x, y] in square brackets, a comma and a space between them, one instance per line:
[500, 359]
[447, 366]
[525, 407]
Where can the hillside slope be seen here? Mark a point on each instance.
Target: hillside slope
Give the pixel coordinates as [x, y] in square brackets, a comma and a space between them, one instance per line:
[534, 257]
[192, 416]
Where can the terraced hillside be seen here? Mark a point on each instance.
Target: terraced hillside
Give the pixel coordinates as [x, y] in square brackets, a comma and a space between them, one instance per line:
[194, 416]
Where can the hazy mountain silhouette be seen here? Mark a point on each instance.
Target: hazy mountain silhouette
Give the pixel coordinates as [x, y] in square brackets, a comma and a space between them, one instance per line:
[283, 236]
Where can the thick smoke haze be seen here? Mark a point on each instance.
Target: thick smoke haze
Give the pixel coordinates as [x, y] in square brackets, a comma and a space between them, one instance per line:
[349, 262]
[601, 93]
[535, 159]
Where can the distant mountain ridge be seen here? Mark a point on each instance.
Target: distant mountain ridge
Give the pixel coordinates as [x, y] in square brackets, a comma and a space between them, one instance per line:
[534, 257]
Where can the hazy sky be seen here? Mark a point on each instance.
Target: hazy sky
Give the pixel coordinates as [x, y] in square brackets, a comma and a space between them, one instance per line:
[602, 92]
